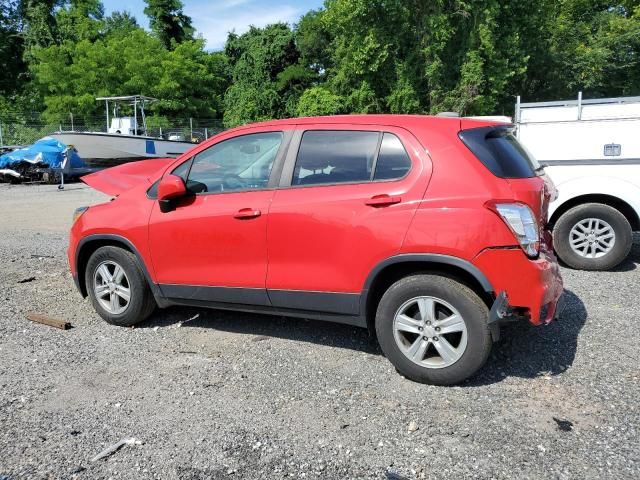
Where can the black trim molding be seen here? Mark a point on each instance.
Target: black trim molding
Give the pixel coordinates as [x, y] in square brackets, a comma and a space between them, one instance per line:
[328, 302]
[427, 258]
[432, 258]
[118, 239]
[229, 295]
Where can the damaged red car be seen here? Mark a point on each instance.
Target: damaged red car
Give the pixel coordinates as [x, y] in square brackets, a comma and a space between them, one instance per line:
[428, 231]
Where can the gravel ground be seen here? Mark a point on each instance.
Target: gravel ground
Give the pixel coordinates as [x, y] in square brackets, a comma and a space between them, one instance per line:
[215, 395]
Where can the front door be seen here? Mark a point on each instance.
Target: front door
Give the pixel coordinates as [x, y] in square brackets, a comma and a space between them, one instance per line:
[212, 247]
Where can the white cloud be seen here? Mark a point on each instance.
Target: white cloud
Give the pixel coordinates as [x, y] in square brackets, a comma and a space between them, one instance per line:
[214, 23]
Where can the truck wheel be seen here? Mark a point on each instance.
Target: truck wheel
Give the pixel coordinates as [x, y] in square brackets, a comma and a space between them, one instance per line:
[433, 329]
[117, 287]
[592, 236]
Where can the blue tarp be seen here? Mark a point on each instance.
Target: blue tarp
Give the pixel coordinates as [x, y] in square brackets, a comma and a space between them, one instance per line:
[47, 152]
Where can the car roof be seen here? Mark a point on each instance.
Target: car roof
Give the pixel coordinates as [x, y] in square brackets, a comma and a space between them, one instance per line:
[367, 119]
[404, 121]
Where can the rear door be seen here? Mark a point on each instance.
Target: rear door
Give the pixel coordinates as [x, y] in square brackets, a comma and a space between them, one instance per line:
[346, 199]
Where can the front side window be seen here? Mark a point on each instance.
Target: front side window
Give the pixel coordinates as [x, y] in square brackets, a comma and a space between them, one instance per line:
[237, 164]
[329, 157]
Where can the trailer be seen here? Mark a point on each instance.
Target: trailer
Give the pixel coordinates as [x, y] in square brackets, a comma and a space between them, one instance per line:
[591, 150]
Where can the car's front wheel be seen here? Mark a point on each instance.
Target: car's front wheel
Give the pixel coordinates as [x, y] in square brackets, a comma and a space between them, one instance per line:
[433, 329]
[117, 287]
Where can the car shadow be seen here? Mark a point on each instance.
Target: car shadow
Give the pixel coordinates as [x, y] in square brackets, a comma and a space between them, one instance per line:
[523, 350]
[271, 326]
[633, 259]
[526, 351]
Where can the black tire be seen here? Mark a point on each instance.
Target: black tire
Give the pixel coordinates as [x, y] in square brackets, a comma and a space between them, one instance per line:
[141, 303]
[617, 221]
[473, 310]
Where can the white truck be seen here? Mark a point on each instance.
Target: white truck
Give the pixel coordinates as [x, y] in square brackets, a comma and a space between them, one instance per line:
[591, 150]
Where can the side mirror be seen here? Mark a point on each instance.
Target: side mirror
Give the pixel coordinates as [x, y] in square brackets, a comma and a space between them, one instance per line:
[171, 188]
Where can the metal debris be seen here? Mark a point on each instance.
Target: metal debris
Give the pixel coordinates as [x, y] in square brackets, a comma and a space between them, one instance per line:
[46, 320]
[391, 475]
[188, 319]
[115, 447]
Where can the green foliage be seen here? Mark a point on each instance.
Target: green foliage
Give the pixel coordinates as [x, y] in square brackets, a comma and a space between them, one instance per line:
[80, 20]
[168, 21]
[187, 79]
[352, 56]
[120, 23]
[11, 48]
[265, 78]
[317, 101]
[40, 29]
[314, 41]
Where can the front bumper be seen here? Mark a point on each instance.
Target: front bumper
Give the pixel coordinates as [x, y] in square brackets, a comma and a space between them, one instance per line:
[525, 288]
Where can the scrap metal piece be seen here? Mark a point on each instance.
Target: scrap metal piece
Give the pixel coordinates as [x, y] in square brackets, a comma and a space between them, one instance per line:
[46, 320]
[115, 447]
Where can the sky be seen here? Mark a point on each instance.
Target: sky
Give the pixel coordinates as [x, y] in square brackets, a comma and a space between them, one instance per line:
[213, 19]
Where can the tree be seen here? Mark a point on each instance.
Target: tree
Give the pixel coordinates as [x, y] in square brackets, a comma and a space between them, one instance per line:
[264, 74]
[168, 21]
[318, 101]
[314, 42]
[598, 43]
[39, 24]
[187, 80]
[80, 20]
[11, 49]
[120, 23]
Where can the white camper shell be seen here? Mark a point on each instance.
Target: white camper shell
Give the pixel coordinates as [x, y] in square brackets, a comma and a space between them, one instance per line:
[591, 150]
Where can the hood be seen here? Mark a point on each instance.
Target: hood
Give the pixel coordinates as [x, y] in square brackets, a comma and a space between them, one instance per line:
[116, 180]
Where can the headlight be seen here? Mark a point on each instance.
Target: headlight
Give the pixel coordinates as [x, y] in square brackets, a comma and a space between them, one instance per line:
[522, 224]
[78, 213]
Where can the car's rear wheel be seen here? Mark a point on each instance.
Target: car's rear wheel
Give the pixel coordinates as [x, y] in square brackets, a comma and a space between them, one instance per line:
[117, 287]
[433, 329]
[592, 236]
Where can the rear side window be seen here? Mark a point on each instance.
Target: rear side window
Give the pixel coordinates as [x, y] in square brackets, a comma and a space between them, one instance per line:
[328, 157]
[499, 150]
[393, 160]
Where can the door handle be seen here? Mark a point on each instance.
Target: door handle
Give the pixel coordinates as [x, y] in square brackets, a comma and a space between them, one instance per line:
[247, 213]
[383, 200]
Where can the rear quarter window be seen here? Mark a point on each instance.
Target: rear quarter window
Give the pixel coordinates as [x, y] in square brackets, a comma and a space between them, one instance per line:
[499, 150]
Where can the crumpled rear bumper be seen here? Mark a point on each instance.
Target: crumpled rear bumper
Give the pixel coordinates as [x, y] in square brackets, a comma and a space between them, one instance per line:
[524, 287]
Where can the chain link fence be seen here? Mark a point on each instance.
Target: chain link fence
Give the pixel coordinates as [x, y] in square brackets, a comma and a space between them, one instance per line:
[21, 129]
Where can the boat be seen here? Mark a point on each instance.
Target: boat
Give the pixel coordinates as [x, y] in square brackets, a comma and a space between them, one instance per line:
[126, 137]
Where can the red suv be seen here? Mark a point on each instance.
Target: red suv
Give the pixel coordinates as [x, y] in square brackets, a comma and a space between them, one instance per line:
[428, 231]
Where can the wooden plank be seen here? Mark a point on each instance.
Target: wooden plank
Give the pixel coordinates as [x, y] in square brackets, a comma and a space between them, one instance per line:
[47, 320]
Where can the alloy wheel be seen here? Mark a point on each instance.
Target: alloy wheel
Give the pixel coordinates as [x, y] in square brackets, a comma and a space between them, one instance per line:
[430, 332]
[111, 287]
[592, 238]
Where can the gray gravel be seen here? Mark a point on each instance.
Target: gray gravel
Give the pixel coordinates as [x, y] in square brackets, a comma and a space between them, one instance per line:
[232, 395]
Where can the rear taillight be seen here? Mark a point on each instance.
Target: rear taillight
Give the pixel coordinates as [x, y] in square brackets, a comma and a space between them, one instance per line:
[522, 223]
